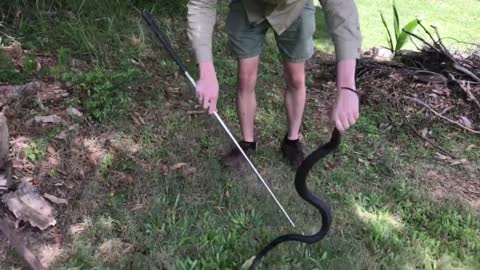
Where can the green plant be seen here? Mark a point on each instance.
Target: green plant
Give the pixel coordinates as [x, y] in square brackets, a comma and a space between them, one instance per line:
[63, 62]
[8, 72]
[104, 91]
[105, 164]
[35, 151]
[29, 64]
[400, 38]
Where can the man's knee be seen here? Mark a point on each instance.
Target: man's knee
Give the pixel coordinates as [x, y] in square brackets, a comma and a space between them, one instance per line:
[295, 81]
[247, 74]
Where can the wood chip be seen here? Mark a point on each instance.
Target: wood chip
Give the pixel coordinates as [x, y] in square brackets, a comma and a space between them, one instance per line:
[54, 199]
[439, 156]
[177, 166]
[49, 119]
[76, 228]
[465, 121]
[424, 132]
[458, 162]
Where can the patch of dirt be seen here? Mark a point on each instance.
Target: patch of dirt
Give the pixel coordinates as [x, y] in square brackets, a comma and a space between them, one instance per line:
[112, 250]
[447, 183]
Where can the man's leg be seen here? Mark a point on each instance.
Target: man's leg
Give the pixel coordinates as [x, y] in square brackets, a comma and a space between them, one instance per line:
[246, 98]
[295, 95]
[296, 46]
[246, 109]
[246, 43]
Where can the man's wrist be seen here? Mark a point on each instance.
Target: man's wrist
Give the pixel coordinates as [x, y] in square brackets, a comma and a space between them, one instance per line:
[206, 69]
[346, 73]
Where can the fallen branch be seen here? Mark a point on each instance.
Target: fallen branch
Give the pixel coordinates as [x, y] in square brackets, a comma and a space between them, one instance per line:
[469, 94]
[429, 141]
[440, 48]
[416, 100]
[440, 42]
[422, 40]
[466, 71]
[21, 247]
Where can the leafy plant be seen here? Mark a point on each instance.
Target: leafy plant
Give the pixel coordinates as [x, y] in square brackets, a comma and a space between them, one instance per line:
[105, 165]
[29, 64]
[400, 38]
[35, 151]
[104, 91]
[8, 72]
[63, 61]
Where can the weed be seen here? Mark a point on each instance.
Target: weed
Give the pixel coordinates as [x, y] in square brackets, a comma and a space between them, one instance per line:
[105, 92]
[29, 64]
[8, 72]
[36, 150]
[106, 164]
[123, 164]
[147, 135]
[64, 60]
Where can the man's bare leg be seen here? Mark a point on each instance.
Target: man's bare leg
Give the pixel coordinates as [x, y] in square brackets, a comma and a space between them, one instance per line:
[295, 95]
[246, 98]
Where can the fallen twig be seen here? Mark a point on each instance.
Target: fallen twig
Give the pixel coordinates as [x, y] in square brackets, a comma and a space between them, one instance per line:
[466, 71]
[469, 93]
[440, 42]
[422, 40]
[416, 100]
[429, 141]
[442, 49]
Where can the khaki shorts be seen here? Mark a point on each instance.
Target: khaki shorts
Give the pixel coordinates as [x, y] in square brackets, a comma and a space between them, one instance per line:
[246, 39]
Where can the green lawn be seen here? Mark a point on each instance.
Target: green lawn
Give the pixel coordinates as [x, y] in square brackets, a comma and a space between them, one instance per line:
[201, 216]
[454, 19]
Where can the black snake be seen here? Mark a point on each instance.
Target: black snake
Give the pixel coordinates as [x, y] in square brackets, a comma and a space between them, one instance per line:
[317, 202]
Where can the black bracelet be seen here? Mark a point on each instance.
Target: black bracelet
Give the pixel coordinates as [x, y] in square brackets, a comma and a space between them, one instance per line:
[350, 89]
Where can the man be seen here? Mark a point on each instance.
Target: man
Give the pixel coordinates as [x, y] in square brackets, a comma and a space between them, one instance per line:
[293, 22]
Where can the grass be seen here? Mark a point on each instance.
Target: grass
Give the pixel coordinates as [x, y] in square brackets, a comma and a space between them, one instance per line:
[202, 216]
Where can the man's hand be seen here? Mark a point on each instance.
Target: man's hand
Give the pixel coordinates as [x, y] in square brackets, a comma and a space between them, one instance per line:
[207, 87]
[346, 110]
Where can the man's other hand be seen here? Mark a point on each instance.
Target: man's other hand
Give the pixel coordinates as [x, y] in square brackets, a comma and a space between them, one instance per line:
[207, 87]
[346, 110]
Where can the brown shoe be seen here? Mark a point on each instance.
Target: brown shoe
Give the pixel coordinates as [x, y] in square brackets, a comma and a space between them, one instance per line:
[293, 151]
[234, 157]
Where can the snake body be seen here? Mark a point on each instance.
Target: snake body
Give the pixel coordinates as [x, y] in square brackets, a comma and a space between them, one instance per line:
[302, 190]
